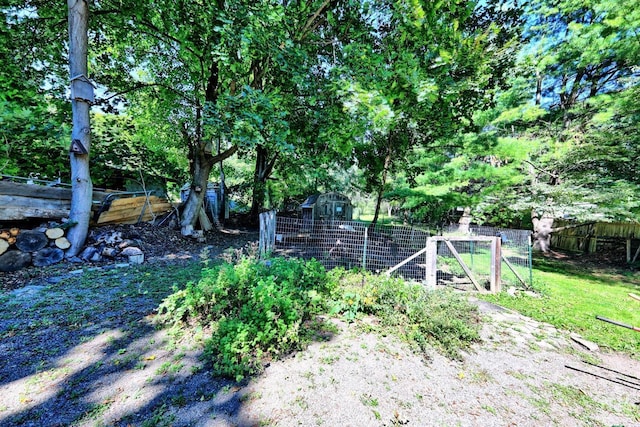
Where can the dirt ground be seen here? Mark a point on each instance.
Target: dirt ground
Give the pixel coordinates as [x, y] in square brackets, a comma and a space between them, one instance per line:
[79, 353]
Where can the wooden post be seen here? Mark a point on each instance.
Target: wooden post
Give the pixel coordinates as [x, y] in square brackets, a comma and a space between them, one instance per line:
[628, 250]
[495, 284]
[431, 267]
[364, 249]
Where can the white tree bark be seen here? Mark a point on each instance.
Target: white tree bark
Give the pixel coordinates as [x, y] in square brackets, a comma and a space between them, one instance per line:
[81, 99]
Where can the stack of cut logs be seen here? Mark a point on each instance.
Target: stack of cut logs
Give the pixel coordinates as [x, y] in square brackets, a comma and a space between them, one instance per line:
[40, 247]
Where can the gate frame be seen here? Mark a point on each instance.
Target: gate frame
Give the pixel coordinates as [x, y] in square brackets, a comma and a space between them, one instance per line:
[431, 251]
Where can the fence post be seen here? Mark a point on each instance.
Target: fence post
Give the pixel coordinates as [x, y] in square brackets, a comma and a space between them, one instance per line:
[364, 249]
[530, 261]
[431, 261]
[495, 284]
[267, 232]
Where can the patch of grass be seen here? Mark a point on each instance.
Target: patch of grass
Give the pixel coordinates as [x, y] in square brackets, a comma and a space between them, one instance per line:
[572, 298]
[160, 418]
[369, 400]
[573, 396]
[169, 368]
[481, 377]
[490, 409]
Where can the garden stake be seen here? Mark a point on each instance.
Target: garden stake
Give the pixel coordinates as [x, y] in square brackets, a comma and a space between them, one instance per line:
[624, 325]
[634, 296]
[601, 377]
[611, 370]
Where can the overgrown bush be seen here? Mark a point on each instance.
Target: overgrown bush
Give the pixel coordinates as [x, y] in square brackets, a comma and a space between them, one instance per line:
[255, 309]
[426, 319]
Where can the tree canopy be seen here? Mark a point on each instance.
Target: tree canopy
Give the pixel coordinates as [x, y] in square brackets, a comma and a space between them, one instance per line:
[515, 110]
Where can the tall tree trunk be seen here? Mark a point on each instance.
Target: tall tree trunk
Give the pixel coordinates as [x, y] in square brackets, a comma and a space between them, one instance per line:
[203, 162]
[538, 87]
[464, 222]
[542, 229]
[263, 170]
[383, 181]
[81, 99]
[202, 166]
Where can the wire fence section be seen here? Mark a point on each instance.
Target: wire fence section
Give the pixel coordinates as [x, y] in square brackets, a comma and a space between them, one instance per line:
[353, 244]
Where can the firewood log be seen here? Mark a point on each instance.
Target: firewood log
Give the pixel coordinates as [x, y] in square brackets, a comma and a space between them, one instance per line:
[11, 240]
[14, 232]
[4, 235]
[62, 243]
[14, 261]
[31, 241]
[48, 256]
[54, 233]
[4, 245]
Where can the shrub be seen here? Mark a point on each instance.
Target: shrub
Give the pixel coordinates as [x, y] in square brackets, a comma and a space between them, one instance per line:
[426, 319]
[255, 309]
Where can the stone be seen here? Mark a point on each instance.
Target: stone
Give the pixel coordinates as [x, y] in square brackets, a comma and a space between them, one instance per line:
[591, 346]
[136, 259]
[87, 253]
[131, 251]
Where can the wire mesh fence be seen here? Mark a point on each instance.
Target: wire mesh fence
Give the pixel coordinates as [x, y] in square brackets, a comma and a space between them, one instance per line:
[515, 266]
[353, 244]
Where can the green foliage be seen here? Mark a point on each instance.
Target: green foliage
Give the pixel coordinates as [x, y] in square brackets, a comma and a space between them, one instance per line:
[438, 319]
[122, 151]
[256, 310]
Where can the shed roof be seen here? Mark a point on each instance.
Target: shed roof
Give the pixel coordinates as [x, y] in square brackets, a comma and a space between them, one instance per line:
[311, 200]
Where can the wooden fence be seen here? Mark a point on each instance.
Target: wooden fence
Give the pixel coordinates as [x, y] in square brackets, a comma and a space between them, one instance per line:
[594, 237]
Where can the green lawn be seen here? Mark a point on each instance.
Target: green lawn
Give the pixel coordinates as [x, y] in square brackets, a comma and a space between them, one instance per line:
[572, 297]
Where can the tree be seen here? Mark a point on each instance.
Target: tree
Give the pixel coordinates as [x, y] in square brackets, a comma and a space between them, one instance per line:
[225, 74]
[570, 111]
[34, 114]
[81, 99]
[428, 68]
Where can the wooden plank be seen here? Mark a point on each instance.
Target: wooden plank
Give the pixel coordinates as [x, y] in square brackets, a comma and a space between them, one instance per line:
[127, 207]
[134, 201]
[463, 265]
[431, 260]
[635, 257]
[463, 238]
[412, 257]
[18, 213]
[157, 207]
[125, 216]
[9, 188]
[124, 209]
[204, 220]
[29, 202]
[496, 271]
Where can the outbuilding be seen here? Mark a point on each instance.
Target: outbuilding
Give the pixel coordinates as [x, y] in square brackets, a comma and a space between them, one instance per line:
[327, 206]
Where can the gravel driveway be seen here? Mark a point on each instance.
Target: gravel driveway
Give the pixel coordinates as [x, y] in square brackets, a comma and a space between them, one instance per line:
[87, 355]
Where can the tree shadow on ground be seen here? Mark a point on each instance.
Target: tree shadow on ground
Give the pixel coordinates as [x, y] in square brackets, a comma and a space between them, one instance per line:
[92, 355]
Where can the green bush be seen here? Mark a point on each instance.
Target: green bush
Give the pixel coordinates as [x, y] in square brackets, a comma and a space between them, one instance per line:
[258, 310]
[255, 308]
[426, 319]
